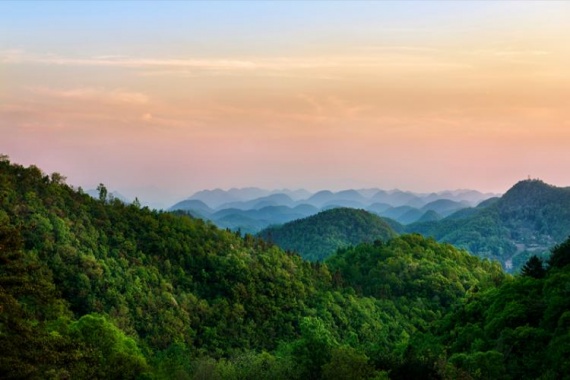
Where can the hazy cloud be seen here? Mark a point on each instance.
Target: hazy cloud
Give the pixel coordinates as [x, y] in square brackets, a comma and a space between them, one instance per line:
[119, 96]
[20, 56]
[398, 56]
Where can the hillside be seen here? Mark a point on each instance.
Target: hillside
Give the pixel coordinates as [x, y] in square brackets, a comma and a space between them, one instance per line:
[317, 237]
[518, 330]
[100, 289]
[528, 219]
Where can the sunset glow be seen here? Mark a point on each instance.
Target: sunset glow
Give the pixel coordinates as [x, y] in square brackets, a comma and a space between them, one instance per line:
[183, 96]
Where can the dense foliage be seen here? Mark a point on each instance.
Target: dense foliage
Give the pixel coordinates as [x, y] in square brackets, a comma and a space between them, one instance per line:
[317, 237]
[519, 330]
[530, 218]
[94, 288]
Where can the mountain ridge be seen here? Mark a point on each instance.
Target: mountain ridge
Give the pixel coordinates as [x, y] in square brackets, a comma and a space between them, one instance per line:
[404, 207]
[528, 219]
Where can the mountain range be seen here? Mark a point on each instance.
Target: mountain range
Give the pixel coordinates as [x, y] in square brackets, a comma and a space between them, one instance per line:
[529, 219]
[252, 209]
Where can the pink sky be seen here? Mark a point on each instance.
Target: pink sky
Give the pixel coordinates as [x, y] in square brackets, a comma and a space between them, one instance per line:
[473, 95]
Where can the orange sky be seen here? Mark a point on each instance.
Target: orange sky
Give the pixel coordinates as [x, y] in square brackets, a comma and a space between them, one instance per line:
[420, 96]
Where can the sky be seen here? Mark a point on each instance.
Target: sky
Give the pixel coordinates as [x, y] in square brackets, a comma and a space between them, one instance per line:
[162, 99]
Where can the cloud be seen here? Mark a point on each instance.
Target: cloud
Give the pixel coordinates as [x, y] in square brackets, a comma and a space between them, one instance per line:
[165, 64]
[20, 56]
[118, 96]
[509, 52]
[401, 49]
[12, 56]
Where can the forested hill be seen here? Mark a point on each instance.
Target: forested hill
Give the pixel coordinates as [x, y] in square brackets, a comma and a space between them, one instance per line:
[99, 289]
[529, 219]
[319, 236]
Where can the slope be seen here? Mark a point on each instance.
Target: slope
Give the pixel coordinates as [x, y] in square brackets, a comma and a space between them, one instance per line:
[531, 217]
[318, 236]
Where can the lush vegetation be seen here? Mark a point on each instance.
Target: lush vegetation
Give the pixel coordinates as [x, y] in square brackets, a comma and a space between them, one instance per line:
[317, 237]
[519, 330]
[530, 218]
[94, 288]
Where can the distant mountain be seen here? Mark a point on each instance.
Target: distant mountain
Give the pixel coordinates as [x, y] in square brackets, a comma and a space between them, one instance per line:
[410, 216]
[318, 236]
[247, 193]
[402, 206]
[218, 198]
[256, 220]
[320, 198]
[296, 195]
[445, 207]
[248, 221]
[378, 208]
[528, 219]
[241, 222]
[407, 214]
[472, 197]
[351, 195]
[397, 212]
[368, 193]
[214, 198]
[278, 199]
[193, 205]
[398, 198]
[429, 216]
[338, 203]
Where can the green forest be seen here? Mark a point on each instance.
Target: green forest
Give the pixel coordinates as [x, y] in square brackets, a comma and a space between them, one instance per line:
[99, 289]
[317, 237]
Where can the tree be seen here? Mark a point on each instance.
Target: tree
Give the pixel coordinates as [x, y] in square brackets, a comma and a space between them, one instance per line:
[560, 255]
[58, 178]
[102, 192]
[347, 364]
[533, 268]
[27, 302]
[314, 348]
[116, 355]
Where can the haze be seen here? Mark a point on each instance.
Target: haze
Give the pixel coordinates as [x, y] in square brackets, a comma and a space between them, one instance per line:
[174, 97]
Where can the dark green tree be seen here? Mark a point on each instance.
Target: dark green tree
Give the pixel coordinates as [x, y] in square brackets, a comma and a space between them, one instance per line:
[102, 192]
[560, 256]
[114, 354]
[314, 349]
[27, 302]
[347, 364]
[533, 268]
